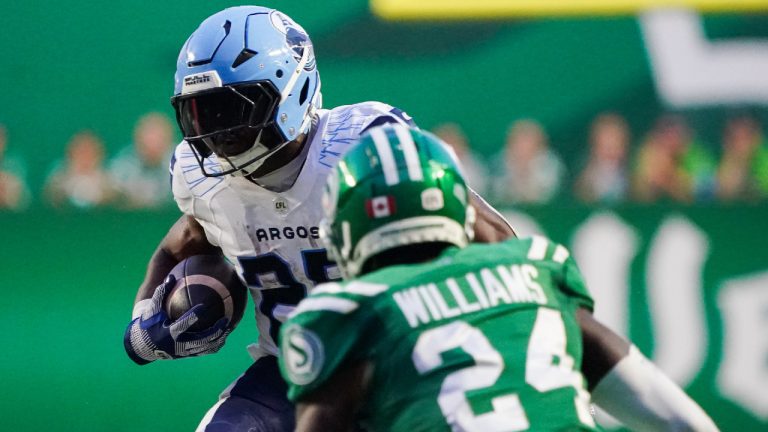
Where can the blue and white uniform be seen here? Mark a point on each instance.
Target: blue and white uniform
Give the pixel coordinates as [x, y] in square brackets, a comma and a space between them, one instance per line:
[273, 239]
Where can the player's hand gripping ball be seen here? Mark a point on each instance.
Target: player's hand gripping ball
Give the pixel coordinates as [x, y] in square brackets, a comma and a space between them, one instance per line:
[210, 281]
[190, 314]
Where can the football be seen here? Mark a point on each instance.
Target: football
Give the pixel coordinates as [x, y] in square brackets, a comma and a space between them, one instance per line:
[210, 280]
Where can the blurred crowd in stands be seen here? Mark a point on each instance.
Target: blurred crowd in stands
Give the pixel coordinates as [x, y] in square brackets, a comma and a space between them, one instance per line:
[664, 164]
[136, 177]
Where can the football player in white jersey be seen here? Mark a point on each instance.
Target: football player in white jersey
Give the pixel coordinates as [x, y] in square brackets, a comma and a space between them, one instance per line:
[248, 178]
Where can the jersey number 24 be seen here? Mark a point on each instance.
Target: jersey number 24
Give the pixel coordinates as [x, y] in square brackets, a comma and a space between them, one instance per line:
[547, 342]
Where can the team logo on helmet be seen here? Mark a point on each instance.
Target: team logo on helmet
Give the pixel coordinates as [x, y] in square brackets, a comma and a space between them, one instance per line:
[303, 353]
[295, 37]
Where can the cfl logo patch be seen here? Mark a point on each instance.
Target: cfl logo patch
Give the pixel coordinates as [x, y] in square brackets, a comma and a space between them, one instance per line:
[281, 206]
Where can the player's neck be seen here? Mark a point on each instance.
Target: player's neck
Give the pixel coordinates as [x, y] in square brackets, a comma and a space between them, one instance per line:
[280, 171]
[284, 177]
[409, 254]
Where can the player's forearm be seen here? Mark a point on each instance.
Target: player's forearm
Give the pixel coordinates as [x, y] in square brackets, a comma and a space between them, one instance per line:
[603, 348]
[161, 263]
[639, 395]
[185, 238]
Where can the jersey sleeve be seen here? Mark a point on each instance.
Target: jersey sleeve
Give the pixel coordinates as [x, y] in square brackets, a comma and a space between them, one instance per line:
[382, 114]
[566, 274]
[325, 333]
[572, 283]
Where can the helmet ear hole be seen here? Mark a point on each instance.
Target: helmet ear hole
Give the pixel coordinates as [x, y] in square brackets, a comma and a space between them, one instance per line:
[304, 92]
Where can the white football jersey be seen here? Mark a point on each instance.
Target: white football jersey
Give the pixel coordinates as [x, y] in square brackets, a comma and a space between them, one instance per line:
[273, 237]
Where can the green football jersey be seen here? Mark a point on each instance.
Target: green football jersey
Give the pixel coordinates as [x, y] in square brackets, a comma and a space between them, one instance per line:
[483, 338]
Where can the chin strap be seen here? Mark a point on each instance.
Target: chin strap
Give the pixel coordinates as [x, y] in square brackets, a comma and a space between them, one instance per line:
[248, 161]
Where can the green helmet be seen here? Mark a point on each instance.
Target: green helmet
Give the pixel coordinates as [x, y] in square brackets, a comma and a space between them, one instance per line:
[398, 186]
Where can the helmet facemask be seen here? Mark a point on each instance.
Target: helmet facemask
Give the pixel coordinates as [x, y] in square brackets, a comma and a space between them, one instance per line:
[234, 122]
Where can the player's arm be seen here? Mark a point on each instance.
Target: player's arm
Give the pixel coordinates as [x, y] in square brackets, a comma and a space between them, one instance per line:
[628, 386]
[185, 238]
[334, 405]
[151, 335]
[491, 226]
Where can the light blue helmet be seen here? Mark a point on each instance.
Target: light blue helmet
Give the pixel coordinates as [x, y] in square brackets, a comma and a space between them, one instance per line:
[246, 85]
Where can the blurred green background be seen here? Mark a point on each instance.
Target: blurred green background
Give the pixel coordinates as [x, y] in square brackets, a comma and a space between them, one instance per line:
[72, 275]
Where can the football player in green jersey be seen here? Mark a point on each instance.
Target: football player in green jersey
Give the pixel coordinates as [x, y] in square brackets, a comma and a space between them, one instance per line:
[430, 332]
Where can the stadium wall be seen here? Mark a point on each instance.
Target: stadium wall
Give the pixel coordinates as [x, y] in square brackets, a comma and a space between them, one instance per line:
[688, 289]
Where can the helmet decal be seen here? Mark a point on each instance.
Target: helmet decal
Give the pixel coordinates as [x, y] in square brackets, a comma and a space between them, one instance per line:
[380, 206]
[200, 81]
[295, 37]
[432, 199]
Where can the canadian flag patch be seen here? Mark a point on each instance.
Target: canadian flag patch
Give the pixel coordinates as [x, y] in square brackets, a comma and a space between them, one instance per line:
[380, 206]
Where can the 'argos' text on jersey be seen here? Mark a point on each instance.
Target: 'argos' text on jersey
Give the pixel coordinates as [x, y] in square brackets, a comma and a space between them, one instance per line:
[277, 233]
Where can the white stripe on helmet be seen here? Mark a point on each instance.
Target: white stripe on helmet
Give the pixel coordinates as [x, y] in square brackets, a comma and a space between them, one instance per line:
[410, 153]
[386, 157]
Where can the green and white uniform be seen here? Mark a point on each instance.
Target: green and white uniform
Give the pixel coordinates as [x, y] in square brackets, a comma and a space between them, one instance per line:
[483, 338]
